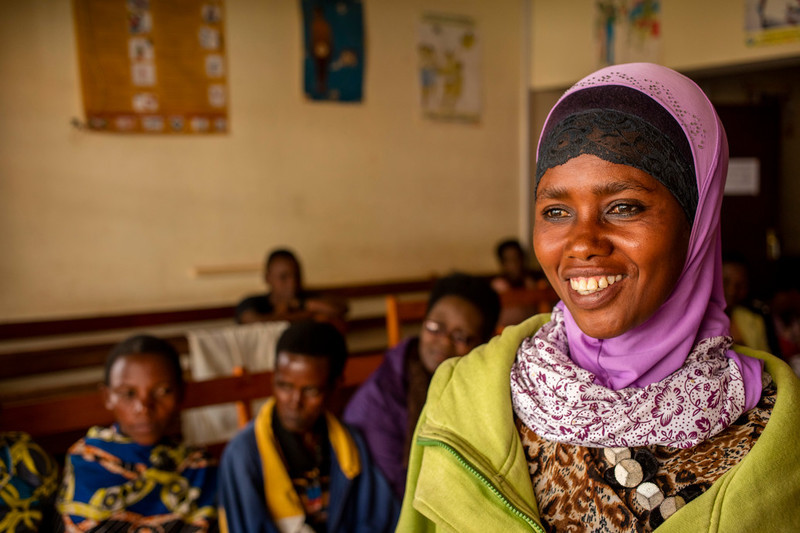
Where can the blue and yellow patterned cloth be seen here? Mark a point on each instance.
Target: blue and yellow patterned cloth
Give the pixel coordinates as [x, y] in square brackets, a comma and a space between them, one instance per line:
[28, 483]
[110, 480]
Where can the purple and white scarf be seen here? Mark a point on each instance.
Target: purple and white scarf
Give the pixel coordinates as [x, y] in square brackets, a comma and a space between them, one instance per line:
[560, 402]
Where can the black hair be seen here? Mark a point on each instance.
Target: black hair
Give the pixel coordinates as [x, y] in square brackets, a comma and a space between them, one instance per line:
[149, 345]
[476, 291]
[508, 244]
[316, 339]
[280, 253]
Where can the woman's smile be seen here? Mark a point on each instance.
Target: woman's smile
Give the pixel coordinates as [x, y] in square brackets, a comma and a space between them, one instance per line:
[592, 284]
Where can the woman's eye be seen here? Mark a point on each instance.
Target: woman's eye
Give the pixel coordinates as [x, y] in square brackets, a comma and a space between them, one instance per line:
[554, 212]
[312, 392]
[163, 392]
[126, 394]
[625, 209]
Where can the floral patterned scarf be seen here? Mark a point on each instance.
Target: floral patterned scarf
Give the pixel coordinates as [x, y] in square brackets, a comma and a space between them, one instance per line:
[560, 401]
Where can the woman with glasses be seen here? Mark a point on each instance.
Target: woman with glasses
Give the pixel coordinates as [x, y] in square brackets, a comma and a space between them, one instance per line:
[462, 314]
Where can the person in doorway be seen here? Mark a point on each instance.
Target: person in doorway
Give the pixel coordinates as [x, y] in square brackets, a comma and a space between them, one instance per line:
[750, 323]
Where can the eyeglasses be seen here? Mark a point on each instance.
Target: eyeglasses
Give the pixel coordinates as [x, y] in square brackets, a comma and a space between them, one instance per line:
[456, 337]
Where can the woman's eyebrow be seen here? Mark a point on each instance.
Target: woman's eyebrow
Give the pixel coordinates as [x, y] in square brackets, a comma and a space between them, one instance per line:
[551, 193]
[557, 192]
[620, 185]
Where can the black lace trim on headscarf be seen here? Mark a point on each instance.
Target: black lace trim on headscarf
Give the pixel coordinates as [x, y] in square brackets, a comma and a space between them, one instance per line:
[621, 137]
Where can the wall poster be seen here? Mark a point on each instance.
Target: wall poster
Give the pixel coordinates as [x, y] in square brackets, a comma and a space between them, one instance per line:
[333, 42]
[153, 67]
[772, 22]
[628, 31]
[449, 68]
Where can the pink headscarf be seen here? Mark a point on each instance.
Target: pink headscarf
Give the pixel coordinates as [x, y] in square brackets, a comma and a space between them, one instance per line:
[695, 310]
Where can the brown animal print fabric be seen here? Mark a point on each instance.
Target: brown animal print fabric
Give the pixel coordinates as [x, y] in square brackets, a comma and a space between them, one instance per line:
[632, 489]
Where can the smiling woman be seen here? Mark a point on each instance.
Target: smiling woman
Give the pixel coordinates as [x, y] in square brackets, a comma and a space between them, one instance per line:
[627, 408]
[611, 239]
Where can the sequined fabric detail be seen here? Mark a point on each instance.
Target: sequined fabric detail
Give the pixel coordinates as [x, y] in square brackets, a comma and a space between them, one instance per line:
[657, 90]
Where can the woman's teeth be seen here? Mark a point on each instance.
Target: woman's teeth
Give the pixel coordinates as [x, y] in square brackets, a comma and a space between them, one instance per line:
[589, 285]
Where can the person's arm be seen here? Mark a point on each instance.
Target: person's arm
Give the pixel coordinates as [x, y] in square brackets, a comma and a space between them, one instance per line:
[243, 507]
[370, 413]
[326, 306]
[73, 499]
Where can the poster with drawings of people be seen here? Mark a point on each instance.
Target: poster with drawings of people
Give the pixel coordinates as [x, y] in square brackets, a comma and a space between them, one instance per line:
[449, 68]
[333, 44]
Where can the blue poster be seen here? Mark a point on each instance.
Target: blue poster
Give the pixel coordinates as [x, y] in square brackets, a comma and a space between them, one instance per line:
[333, 43]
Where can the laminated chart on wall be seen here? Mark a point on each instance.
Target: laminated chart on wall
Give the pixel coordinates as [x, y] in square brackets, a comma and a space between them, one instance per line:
[449, 68]
[153, 66]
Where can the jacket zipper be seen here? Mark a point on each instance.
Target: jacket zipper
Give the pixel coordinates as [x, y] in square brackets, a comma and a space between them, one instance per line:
[483, 479]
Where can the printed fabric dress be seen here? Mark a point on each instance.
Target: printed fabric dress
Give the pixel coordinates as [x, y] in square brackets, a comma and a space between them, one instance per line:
[113, 484]
[28, 483]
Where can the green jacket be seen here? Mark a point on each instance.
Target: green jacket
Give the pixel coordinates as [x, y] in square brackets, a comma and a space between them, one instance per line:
[468, 472]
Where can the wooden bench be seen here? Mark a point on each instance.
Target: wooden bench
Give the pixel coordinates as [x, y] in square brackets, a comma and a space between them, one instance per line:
[33, 350]
[56, 422]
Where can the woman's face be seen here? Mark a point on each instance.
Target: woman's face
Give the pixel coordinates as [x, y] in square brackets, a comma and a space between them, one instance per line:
[452, 328]
[144, 395]
[283, 278]
[611, 239]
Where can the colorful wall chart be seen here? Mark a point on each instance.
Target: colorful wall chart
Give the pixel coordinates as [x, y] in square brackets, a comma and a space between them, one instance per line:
[449, 68]
[333, 63]
[153, 67]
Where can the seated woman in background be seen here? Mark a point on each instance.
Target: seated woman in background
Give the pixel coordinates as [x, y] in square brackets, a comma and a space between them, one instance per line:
[287, 300]
[514, 273]
[462, 313]
[28, 483]
[132, 474]
[627, 408]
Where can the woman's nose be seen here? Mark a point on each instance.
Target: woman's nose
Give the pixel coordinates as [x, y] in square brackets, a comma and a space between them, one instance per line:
[588, 239]
[144, 405]
[296, 398]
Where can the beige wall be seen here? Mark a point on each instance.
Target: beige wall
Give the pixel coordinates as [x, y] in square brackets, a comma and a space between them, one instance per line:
[93, 223]
[695, 35]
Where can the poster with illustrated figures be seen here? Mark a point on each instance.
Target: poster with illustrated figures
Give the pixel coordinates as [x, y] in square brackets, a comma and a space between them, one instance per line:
[449, 68]
[150, 66]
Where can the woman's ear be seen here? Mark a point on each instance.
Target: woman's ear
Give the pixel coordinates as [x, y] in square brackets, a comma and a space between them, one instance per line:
[106, 393]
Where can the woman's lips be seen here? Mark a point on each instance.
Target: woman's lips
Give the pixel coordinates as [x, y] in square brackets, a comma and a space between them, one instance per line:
[591, 292]
[591, 284]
